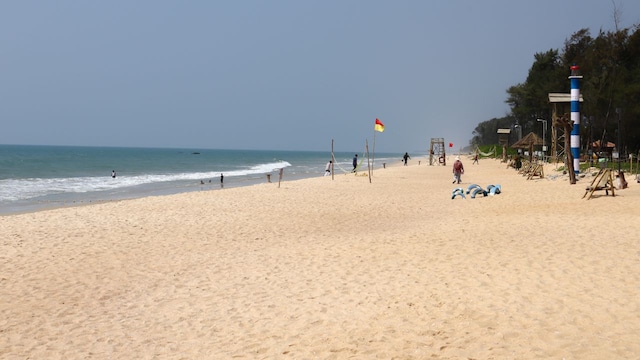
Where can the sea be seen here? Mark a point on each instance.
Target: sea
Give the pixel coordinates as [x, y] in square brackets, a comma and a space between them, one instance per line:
[35, 178]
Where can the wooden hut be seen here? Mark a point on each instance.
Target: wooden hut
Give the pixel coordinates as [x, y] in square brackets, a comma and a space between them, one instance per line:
[528, 142]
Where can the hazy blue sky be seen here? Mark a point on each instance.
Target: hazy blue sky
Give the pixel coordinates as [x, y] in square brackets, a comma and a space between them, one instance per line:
[289, 75]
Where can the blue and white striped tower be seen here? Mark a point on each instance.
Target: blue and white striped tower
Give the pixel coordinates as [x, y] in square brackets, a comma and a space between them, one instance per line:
[575, 116]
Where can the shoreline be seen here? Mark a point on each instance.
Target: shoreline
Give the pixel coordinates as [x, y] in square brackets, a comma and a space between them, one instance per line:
[330, 269]
[71, 199]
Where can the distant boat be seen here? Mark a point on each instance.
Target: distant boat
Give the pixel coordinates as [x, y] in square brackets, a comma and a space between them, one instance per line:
[195, 153]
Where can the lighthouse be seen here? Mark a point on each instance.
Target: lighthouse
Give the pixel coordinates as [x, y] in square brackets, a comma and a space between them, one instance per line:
[575, 116]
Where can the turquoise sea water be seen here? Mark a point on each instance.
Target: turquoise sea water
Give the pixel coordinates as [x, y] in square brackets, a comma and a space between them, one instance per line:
[39, 177]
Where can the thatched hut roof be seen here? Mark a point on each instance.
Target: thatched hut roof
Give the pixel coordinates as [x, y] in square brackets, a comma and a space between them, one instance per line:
[530, 139]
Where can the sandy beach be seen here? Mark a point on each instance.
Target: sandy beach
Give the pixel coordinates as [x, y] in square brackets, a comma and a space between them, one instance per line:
[326, 268]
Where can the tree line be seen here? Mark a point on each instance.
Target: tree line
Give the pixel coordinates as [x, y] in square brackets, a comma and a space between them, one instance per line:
[610, 88]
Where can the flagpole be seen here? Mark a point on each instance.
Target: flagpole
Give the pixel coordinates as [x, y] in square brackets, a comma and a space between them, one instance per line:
[368, 164]
[373, 155]
[379, 126]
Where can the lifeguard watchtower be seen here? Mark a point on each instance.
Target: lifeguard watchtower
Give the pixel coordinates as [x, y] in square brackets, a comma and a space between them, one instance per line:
[503, 140]
[560, 104]
[437, 155]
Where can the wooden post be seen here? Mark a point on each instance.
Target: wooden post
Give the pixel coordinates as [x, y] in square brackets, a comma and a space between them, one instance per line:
[368, 163]
[565, 122]
[333, 160]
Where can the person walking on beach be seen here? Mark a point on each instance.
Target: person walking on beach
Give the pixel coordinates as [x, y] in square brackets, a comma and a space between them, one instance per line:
[475, 160]
[355, 163]
[405, 157]
[113, 174]
[458, 170]
[327, 169]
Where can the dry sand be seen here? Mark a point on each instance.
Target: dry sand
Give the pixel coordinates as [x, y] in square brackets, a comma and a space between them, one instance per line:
[330, 269]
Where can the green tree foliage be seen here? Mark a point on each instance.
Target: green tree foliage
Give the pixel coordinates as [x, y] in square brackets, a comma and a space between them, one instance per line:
[610, 64]
[529, 101]
[486, 133]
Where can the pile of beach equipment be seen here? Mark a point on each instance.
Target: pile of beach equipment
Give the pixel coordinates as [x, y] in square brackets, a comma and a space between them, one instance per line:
[475, 190]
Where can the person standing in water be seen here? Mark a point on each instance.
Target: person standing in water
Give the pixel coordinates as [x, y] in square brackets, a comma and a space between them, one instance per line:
[113, 174]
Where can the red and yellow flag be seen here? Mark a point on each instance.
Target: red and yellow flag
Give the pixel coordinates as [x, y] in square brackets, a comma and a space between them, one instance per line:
[379, 126]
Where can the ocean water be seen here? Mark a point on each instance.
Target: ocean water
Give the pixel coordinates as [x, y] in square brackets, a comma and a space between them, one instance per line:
[39, 177]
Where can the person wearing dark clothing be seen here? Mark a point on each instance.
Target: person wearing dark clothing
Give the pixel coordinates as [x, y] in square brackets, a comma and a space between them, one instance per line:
[405, 157]
[355, 163]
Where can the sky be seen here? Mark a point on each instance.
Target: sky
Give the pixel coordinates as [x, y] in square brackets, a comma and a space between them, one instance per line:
[273, 75]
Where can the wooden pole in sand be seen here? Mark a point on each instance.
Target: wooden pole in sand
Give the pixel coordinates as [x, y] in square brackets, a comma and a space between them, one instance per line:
[333, 159]
[366, 146]
[373, 155]
[567, 124]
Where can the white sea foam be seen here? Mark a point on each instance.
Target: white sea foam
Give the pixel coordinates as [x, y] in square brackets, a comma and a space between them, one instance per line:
[36, 177]
[23, 189]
